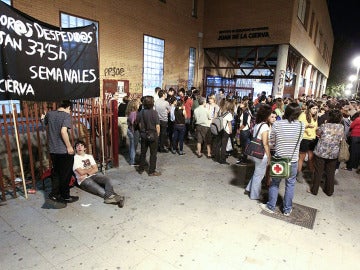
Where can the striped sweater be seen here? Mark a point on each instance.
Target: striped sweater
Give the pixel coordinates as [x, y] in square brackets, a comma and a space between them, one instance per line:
[284, 136]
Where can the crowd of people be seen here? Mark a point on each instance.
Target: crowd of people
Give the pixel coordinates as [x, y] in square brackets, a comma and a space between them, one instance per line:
[305, 129]
[319, 124]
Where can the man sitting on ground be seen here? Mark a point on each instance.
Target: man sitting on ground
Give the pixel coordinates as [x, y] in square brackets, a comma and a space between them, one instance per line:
[88, 178]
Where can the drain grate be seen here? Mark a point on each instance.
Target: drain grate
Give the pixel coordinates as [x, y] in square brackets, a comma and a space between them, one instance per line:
[301, 215]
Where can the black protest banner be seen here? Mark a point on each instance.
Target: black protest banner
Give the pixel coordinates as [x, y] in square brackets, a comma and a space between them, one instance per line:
[41, 62]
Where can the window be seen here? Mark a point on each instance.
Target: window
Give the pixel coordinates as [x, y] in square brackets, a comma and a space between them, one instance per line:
[303, 11]
[319, 40]
[192, 61]
[7, 2]
[316, 32]
[194, 8]
[69, 21]
[153, 64]
[312, 24]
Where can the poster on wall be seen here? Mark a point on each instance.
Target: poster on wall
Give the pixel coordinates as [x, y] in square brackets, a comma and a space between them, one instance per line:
[41, 62]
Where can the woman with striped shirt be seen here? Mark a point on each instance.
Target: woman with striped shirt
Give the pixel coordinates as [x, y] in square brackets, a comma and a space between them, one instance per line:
[284, 136]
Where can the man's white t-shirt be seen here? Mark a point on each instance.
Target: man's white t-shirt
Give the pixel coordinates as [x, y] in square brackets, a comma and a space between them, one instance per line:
[82, 162]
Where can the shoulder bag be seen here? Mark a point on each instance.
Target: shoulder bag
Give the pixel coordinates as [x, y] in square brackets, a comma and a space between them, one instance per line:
[280, 167]
[256, 147]
[344, 153]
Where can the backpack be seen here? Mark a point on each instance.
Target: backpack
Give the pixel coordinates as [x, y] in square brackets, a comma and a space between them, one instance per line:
[217, 124]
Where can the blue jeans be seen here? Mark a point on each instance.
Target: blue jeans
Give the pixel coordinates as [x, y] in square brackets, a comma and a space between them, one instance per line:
[289, 190]
[178, 136]
[133, 143]
[254, 185]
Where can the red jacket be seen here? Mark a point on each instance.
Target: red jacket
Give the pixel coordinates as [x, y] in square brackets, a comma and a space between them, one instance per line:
[355, 127]
[188, 104]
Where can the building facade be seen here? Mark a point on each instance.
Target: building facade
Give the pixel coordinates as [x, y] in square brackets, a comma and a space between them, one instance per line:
[286, 43]
[236, 45]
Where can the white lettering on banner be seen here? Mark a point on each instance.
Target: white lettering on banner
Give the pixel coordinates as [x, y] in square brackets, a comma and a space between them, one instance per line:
[35, 55]
[55, 52]
[26, 29]
[14, 43]
[48, 34]
[13, 86]
[17, 26]
[60, 75]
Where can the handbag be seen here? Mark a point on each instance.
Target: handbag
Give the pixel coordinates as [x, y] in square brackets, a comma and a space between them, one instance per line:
[255, 147]
[229, 147]
[280, 167]
[344, 154]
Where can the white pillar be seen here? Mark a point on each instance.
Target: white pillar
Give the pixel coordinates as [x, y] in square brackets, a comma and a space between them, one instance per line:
[298, 76]
[279, 81]
[314, 83]
[318, 84]
[323, 85]
[307, 79]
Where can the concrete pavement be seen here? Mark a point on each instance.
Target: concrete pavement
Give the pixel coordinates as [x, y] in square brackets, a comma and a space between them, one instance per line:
[194, 216]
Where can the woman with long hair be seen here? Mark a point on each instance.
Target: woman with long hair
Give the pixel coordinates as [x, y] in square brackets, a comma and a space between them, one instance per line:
[221, 140]
[244, 118]
[279, 108]
[262, 130]
[307, 145]
[133, 130]
[179, 128]
[270, 121]
[326, 152]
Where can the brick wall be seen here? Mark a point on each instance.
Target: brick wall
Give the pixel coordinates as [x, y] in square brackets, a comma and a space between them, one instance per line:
[122, 25]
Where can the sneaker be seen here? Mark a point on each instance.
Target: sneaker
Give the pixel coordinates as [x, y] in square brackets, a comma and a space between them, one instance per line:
[299, 178]
[264, 207]
[134, 165]
[155, 173]
[224, 163]
[71, 199]
[51, 204]
[181, 153]
[121, 201]
[242, 162]
[112, 199]
[53, 197]
[288, 213]
[173, 151]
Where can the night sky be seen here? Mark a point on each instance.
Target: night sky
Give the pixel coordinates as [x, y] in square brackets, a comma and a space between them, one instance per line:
[345, 20]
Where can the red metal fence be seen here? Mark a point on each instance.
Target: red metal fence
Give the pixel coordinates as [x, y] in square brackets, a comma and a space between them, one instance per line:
[89, 118]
